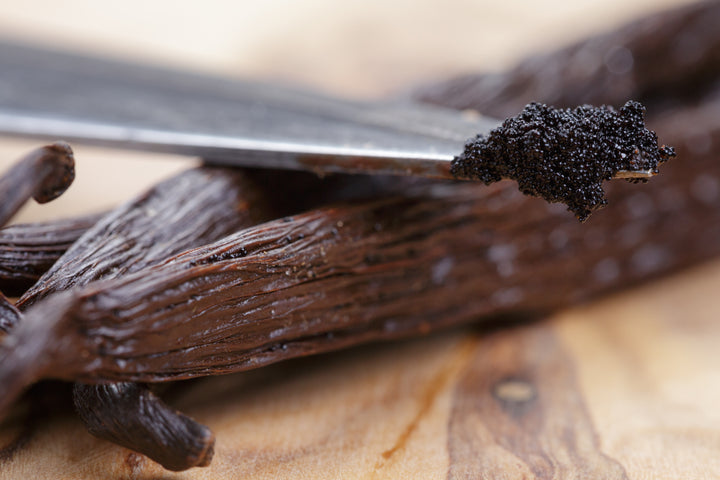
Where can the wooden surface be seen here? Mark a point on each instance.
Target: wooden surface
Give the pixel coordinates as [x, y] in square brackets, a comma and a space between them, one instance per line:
[626, 387]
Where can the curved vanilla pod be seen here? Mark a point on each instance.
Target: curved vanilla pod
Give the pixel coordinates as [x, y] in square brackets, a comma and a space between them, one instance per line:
[43, 174]
[130, 415]
[28, 250]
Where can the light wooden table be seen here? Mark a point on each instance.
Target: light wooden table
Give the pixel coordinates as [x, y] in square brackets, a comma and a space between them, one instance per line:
[626, 387]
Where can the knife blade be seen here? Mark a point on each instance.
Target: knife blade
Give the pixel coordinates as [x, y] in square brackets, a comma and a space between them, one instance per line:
[47, 94]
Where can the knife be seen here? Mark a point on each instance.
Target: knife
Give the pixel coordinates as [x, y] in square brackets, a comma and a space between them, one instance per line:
[46, 94]
[50, 94]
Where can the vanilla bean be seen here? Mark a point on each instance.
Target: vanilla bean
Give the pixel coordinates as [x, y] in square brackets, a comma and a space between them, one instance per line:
[9, 315]
[664, 60]
[44, 174]
[130, 415]
[190, 209]
[187, 210]
[28, 250]
[447, 254]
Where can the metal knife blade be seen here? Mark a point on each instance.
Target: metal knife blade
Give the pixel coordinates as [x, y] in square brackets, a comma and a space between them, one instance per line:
[53, 95]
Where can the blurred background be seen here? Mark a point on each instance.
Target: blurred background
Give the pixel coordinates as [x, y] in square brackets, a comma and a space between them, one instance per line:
[361, 49]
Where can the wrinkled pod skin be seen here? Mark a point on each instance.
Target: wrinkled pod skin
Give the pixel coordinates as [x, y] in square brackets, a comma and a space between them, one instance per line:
[29, 250]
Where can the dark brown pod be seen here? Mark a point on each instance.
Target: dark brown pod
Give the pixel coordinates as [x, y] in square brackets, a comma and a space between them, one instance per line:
[28, 250]
[130, 415]
[192, 208]
[9, 315]
[664, 60]
[44, 174]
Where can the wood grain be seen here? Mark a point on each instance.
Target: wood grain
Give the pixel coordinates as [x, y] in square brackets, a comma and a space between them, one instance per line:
[517, 412]
[623, 388]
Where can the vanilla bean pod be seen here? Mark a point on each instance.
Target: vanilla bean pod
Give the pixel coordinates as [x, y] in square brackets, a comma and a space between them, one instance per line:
[190, 209]
[44, 174]
[664, 60]
[9, 315]
[28, 250]
[648, 232]
[130, 414]
[500, 245]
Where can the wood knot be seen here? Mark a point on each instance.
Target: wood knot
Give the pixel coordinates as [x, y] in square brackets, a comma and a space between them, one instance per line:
[515, 395]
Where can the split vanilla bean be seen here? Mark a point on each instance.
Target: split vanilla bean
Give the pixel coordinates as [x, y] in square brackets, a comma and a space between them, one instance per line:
[43, 174]
[28, 250]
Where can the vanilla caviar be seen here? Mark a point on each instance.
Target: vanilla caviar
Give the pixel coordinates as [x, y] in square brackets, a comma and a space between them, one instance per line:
[563, 155]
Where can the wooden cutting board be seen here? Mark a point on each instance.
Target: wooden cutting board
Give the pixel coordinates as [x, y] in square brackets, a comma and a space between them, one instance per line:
[626, 387]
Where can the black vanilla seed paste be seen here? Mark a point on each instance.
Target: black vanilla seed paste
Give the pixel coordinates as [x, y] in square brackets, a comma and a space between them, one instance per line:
[564, 155]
